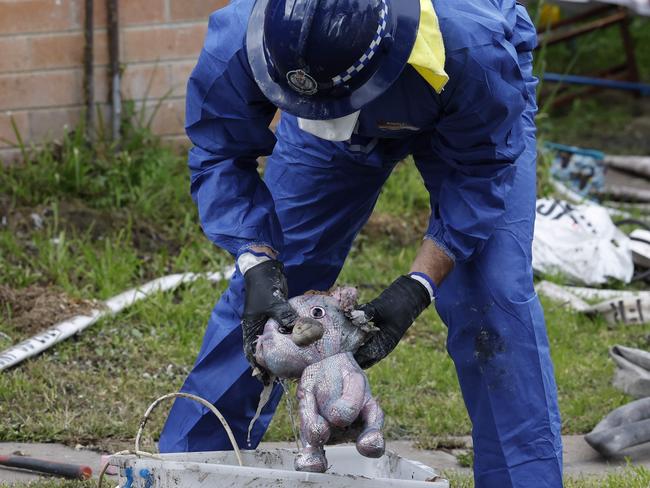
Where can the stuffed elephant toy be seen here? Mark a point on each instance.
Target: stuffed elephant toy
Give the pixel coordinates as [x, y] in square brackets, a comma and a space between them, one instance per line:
[333, 391]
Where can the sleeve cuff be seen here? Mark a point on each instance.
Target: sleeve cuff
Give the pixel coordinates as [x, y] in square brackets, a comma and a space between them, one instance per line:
[438, 239]
[246, 248]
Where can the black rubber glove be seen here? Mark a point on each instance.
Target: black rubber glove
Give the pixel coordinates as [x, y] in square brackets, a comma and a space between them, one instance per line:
[266, 297]
[392, 312]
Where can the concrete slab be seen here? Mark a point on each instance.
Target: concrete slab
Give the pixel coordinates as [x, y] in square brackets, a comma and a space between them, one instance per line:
[579, 458]
[49, 452]
[439, 460]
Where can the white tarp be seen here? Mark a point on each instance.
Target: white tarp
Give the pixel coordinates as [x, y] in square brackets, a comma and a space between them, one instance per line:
[580, 242]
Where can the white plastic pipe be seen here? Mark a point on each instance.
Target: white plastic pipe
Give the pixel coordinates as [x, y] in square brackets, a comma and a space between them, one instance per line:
[61, 331]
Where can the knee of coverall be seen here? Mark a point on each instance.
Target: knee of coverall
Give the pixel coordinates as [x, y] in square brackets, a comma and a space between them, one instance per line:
[498, 342]
[225, 316]
[501, 273]
[221, 375]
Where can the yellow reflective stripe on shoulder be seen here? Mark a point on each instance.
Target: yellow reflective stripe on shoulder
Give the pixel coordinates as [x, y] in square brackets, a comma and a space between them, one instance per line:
[428, 55]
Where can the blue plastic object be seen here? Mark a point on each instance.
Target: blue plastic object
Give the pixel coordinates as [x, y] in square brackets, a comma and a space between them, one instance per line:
[641, 88]
[474, 145]
[324, 59]
[581, 169]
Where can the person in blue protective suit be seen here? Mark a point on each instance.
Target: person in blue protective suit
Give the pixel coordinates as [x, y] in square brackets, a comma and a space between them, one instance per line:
[361, 84]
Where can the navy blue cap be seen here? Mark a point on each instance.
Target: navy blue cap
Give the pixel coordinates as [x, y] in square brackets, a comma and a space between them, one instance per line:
[324, 59]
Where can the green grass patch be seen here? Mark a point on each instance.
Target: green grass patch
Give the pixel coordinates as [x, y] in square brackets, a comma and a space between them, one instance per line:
[110, 218]
[629, 477]
[611, 120]
[93, 388]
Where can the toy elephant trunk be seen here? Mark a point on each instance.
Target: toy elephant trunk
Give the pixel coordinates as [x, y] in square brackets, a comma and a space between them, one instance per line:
[333, 391]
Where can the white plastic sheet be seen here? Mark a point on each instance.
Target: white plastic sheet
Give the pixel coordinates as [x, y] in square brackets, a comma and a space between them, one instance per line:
[617, 306]
[580, 242]
[640, 245]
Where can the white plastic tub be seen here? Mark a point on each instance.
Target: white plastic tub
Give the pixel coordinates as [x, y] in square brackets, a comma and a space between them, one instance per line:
[273, 468]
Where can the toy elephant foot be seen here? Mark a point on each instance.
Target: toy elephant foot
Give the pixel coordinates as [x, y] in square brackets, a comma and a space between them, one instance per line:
[371, 443]
[311, 459]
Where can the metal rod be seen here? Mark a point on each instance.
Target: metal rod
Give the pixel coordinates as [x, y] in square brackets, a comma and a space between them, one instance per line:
[549, 40]
[114, 67]
[578, 18]
[64, 470]
[618, 72]
[89, 81]
[630, 55]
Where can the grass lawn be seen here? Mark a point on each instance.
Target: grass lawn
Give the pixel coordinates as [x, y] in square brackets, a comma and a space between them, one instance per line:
[127, 219]
[78, 224]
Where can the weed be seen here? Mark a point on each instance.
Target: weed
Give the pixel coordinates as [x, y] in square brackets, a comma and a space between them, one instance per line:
[465, 459]
[629, 477]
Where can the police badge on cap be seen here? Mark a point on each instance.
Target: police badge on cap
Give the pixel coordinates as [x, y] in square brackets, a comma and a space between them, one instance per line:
[302, 82]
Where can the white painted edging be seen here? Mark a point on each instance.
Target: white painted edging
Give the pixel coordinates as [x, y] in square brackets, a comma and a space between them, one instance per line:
[61, 331]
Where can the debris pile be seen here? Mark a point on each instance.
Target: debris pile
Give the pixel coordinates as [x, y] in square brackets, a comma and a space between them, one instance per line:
[599, 234]
[596, 233]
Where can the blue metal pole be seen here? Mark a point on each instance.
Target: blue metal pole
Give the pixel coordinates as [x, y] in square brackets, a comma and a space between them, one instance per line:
[641, 88]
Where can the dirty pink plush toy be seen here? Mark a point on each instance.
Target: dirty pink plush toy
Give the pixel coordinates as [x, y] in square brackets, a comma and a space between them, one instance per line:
[333, 391]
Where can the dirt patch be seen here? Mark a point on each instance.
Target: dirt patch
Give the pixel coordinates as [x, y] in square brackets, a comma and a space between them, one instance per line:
[434, 443]
[78, 219]
[399, 230]
[33, 309]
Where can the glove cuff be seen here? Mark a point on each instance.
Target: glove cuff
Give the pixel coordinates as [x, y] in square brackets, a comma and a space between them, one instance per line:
[426, 281]
[250, 259]
[405, 299]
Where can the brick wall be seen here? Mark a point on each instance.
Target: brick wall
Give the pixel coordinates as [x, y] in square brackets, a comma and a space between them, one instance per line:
[41, 62]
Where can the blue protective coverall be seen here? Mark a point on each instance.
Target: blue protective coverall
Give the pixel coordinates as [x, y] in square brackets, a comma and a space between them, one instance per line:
[474, 145]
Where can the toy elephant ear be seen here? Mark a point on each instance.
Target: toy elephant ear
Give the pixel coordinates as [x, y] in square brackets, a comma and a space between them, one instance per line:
[347, 298]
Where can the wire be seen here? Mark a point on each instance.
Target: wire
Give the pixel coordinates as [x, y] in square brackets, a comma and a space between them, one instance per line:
[145, 418]
[290, 409]
[203, 402]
